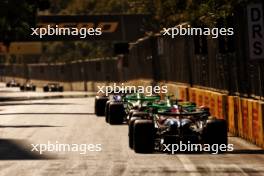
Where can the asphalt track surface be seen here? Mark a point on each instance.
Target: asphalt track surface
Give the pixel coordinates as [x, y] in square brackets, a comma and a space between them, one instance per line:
[72, 120]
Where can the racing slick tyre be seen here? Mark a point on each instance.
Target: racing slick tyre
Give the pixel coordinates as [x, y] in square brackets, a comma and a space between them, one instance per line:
[60, 89]
[53, 89]
[143, 136]
[215, 132]
[131, 131]
[22, 88]
[136, 115]
[45, 89]
[107, 111]
[116, 113]
[99, 105]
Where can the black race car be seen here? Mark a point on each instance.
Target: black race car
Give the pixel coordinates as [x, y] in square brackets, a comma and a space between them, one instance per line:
[12, 83]
[158, 129]
[101, 102]
[53, 87]
[120, 107]
[28, 87]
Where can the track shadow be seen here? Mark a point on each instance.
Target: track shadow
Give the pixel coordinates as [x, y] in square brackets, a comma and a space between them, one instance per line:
[49, 97]
[52, 113]
[247, 151]
[9, 91]
[19, 150]
[24, 104]
[27, 126]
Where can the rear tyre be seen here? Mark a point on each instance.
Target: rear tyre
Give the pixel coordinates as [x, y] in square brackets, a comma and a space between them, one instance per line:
[116, 113]
[215, 132]
[22, 88]
[61, 89]
[53, 89]
[135, 115]
[143, 136]
[131, 131]
[45, 89]
[107, 111]
[99, 107]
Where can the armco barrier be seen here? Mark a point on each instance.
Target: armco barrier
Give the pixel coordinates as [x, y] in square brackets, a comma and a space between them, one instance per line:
[259, 123]
[183, 93]
[244, 118]
[206, 97]
[213, 103]
[232, 104]
[240, 119]
[221, 108]
[179, 91]
[217, 102]
[200, 97]
[250, 120]
[192, 95]
[171, 89]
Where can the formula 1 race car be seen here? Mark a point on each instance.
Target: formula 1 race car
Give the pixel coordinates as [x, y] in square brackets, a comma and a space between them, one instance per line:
[120, 107]
[53, 87]
[12, 83]
[102, 102]
[176, 125]
[28, 87]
